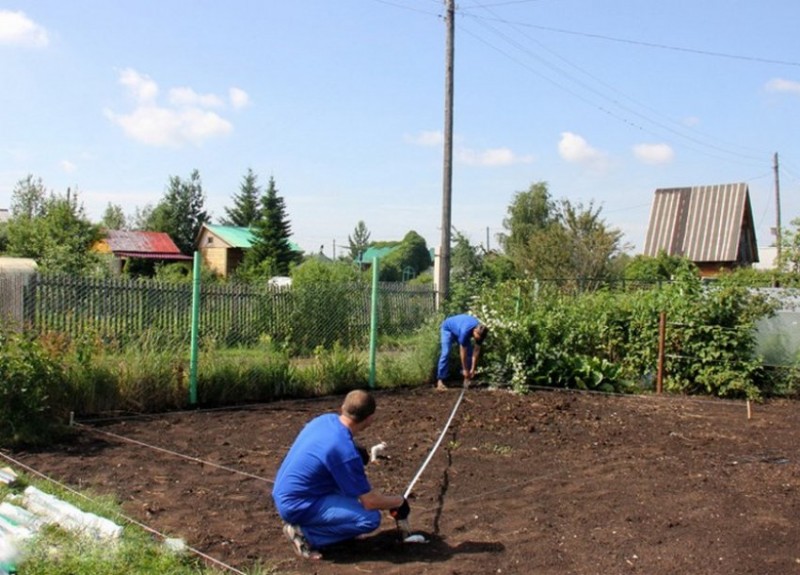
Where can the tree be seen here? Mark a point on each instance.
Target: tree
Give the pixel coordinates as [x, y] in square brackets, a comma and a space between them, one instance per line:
[559, 240]
[529, 212]
[3, 237]
[411, 258]
[271, 253]
[114, 218]
[465, 261]
[53, 230]
[141, 217]
[652, 269]
[790, 248]
[359, 241]
[28, 198]
[180, 213]
[245, 211]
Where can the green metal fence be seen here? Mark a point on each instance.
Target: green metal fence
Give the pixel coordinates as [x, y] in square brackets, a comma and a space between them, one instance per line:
[302, 318]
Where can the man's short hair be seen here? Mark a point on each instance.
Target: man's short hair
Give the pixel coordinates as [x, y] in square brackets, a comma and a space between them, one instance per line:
[358, 405]
[480, 333]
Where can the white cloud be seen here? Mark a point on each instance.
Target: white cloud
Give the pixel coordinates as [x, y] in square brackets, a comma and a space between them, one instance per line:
[783, 85]
[573, 148]
[67, 166]
[653, 153]
[188, 97]
[141, 87]
[239, 98]
[425, 139]
[491, 157]
[19, 30]
[157, 126]
[186, 120]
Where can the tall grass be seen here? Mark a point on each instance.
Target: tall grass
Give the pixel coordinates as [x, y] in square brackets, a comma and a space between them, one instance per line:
[410, 360]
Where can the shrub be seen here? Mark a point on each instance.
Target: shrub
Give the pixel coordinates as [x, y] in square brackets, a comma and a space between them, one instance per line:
[32, 391]
[609, 340]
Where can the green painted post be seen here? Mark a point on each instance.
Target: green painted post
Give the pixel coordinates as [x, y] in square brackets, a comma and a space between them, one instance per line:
[195, 329]
[373, 324]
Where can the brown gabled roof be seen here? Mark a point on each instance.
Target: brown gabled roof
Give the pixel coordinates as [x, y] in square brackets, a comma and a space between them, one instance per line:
[703, 224]
[147, 245]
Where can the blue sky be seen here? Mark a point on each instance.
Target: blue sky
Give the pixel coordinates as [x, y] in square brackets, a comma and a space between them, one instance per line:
[342, 102]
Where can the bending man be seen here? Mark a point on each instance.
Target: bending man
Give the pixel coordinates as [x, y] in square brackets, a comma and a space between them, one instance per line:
[321, 490]
[463, 329]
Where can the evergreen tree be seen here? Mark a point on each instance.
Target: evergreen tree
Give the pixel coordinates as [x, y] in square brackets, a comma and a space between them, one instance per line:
[359, 241]
[271, 253]
[180, 213]
[245, 211]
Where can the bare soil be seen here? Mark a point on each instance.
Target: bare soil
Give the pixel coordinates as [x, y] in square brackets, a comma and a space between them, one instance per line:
[549, 483]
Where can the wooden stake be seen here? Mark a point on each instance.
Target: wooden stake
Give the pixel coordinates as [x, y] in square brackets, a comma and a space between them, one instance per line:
[749, 413]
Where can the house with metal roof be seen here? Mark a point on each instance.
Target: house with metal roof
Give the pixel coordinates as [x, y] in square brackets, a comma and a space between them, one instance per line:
[710, 225]
[222, 248]
[366, 257]
[126, 244]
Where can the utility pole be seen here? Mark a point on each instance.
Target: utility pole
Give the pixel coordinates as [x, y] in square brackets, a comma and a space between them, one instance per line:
[447, 183]
[777, 208]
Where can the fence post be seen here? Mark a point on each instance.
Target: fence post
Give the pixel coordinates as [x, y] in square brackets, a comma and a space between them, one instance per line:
[195, 329]
[662, 331]
[373, 324]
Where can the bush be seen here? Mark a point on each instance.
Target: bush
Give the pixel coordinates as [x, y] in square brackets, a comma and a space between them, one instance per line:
[32, 391]
[608, 341]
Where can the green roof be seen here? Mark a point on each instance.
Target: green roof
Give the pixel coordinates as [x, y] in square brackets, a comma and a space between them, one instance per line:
[372, 253]
[239, 237]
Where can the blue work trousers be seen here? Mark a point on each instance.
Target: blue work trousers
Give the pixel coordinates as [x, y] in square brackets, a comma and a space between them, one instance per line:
[338, 518]
[447, 340]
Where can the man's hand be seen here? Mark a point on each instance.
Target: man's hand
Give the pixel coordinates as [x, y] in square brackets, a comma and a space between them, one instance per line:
[400, 513]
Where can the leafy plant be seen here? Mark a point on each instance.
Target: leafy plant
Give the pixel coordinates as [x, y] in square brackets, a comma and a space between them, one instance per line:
[31, 391]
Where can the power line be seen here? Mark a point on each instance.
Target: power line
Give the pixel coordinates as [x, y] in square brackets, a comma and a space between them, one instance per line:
[692, 138]
[640, 42]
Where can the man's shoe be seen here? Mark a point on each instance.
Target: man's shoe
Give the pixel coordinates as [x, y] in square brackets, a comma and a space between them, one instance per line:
[299, 542]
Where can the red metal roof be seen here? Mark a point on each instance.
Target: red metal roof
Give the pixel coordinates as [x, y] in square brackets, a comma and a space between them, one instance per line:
[150, 245]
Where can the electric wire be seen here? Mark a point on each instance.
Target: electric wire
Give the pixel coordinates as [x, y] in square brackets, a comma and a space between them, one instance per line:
[695, 137]
[650, 44]
[689, 137]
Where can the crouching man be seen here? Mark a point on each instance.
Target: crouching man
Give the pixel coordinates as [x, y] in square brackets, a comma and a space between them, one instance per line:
[321, 490]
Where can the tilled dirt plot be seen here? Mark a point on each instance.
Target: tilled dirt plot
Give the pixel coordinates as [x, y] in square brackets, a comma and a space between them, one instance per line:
[549, 483]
